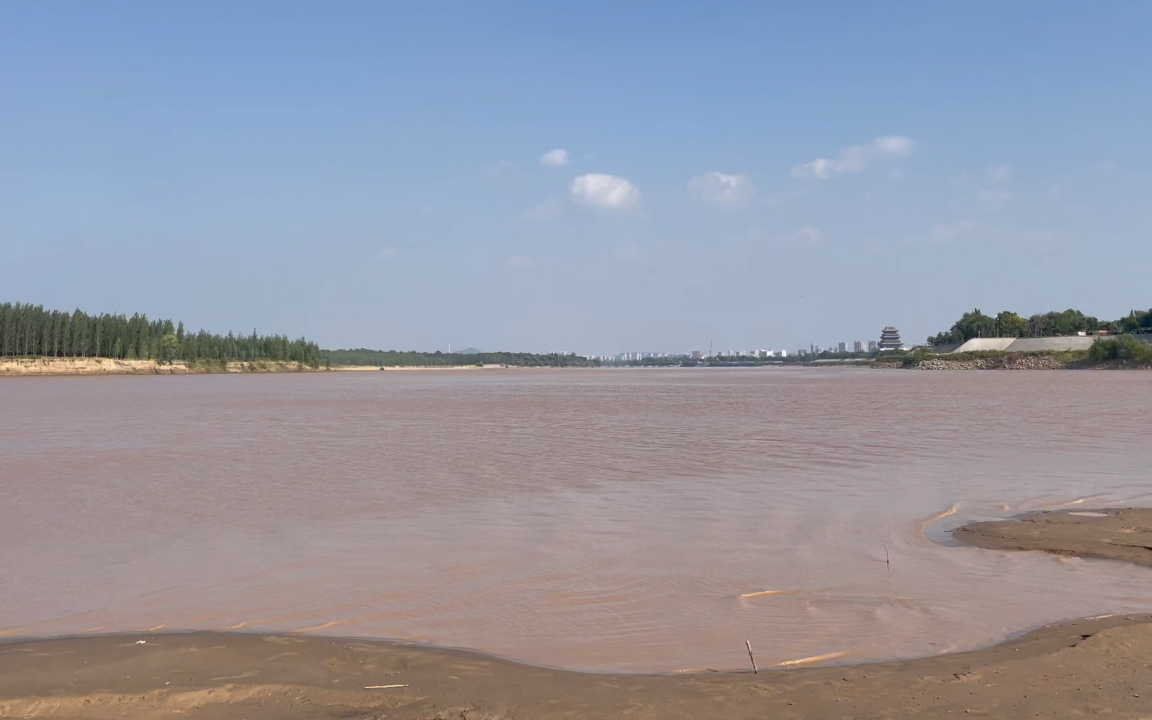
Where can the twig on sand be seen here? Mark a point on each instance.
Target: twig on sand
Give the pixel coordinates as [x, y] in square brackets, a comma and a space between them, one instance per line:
[382, 687]
[749, 644]
[887, 560]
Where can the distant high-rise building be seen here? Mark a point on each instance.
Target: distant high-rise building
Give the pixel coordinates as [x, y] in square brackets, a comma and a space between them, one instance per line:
[890, 339]
[858, 346]
[842, 347]
[871, 346]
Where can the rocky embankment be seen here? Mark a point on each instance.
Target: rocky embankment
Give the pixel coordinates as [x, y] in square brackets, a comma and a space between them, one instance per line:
[1001, 362]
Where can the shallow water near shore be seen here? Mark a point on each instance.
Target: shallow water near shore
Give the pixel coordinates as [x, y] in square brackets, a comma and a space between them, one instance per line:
[595, 520]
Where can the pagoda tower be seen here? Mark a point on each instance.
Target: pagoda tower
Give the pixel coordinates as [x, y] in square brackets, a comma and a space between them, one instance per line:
[890, 339]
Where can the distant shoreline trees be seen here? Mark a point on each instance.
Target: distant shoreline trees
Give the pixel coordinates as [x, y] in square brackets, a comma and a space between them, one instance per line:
[411, 358]
[976, 324]
[32, 331]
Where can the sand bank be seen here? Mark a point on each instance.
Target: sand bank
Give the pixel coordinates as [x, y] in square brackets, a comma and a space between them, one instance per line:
[1110, 534]
[109, 366]
[1085, 667]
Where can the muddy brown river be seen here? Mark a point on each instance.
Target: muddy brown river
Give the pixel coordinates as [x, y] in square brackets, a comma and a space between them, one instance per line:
[627, 520]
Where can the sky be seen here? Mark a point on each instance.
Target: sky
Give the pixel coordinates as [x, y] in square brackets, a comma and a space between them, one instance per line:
[590, 177]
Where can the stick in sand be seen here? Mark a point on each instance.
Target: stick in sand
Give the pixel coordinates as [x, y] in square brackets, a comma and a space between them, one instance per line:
[754, 670]
[382, 687]
[887, 560]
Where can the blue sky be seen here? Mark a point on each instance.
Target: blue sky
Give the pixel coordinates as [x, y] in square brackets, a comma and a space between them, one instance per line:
[758, 175]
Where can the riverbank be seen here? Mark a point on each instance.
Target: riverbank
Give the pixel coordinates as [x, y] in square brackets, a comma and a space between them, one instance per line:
[109, 366]
[1000, 360]
[1094, 666]
[991, 360]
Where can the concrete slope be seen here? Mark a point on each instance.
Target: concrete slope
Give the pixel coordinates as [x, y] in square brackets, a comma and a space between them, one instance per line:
[976, 344]
[1051, 344]
[1043, 344]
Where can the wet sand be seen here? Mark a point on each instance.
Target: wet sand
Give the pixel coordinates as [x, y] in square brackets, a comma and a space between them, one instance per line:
[1084, 667]
[1109, 534]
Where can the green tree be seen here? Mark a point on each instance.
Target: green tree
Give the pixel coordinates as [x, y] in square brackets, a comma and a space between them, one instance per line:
[1009, 324]
[169, 346]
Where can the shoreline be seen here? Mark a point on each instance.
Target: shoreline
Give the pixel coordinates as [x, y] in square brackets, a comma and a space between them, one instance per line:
[79, 367]
[1069, 669]
[56, 367]
[387, 368]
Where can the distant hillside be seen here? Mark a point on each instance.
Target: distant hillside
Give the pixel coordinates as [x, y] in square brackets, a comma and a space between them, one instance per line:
[470, 351]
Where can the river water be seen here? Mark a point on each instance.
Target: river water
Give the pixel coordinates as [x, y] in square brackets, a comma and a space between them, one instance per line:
[586, 519]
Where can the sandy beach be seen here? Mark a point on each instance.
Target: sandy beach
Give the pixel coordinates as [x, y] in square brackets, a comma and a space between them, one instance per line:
[24, 367]
[1084, 667]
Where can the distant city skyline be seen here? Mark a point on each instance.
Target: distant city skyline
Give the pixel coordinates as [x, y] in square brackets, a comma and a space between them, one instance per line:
[589, 176]
[842, 346]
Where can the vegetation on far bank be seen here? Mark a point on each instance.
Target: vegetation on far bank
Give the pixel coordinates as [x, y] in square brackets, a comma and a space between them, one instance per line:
[412, 358]
[1008, 324]
[32, 331]
[1123, 349]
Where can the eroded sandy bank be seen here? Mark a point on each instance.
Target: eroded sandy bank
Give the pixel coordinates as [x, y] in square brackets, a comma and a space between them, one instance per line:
[109, 366]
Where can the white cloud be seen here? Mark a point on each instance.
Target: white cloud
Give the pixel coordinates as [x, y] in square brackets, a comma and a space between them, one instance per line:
[993, 199]
[555, 158]
[999, 173]
[806, 235]
[629, 252]
[547, 210]
[520, 262]
[388, 253]
[894, 145]
[605, 191]
[855, 158]
[717, 188]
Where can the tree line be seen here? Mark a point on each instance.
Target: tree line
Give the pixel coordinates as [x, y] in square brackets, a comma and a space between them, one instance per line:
[412, 358]
[32, 331]
[976, 324]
